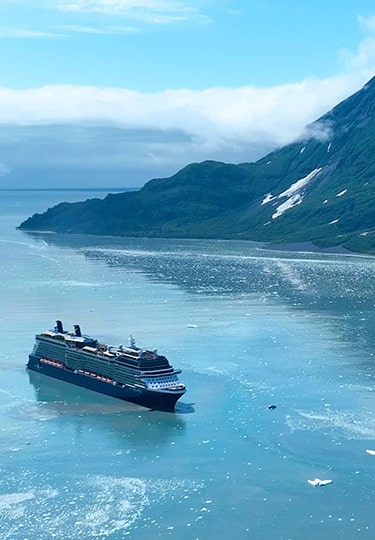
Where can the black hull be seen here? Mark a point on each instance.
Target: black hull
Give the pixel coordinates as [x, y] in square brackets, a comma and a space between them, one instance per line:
[162, 401]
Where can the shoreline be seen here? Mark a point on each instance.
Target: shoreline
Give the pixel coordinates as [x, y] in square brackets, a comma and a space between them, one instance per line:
[292, 247]
[309, 247]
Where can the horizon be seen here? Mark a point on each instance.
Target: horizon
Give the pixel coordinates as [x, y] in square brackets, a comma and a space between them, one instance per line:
[120, 92]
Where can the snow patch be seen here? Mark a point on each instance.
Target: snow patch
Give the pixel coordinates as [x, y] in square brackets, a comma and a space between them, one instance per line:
[318, 482]
[297, 186]
[341, 193]
[292, 201]
[294, 193]
[268, 198]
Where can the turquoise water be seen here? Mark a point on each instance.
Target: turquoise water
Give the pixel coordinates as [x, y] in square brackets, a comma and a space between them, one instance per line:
[249, 328]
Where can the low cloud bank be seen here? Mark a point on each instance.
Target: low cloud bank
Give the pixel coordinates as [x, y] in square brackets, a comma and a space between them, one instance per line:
[137, 136]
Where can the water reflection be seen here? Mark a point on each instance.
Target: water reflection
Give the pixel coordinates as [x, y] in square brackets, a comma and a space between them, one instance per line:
[341, 286]
[137, 425]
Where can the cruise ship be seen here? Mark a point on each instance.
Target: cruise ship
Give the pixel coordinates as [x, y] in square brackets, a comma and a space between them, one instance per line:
[130, 373]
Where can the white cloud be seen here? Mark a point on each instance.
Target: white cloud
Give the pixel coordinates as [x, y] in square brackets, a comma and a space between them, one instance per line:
[12, 32]
[365, 56]
[228, 118]
[368, 23]
[149, 11]
[96, 30]
[129, 137]
[321, 131]
[157, 133]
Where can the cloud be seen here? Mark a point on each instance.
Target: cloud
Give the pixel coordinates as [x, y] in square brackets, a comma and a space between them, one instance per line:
[113, 136]
[322, 130]
[216, 117]
[12, 32]
[368, 23]
[57, 134]
[142, 135]
[365, 55]
[96, 30]
[148, 11]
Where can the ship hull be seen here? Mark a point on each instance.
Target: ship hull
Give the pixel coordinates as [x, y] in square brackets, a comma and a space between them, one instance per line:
[164, 401]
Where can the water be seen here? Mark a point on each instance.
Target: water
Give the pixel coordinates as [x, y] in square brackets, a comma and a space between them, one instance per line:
[249, 328]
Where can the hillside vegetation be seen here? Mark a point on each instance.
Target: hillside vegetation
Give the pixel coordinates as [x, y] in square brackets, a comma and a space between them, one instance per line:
[318, 190]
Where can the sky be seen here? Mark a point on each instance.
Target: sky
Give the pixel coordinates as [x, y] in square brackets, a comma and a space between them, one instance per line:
[116, 92]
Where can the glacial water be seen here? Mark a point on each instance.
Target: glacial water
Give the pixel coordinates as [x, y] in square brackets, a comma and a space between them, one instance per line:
[249, 328]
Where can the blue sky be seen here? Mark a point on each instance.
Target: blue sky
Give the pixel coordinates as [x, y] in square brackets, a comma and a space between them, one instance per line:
[116, 92]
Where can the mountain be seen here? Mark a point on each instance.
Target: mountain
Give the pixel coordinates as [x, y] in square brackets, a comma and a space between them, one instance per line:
[319, 189]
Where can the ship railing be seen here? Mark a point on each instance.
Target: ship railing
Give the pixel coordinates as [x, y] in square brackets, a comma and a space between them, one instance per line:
[159, 373]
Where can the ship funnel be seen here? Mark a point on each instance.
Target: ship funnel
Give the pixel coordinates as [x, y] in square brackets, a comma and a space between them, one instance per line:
[59, 327]
[77, 330]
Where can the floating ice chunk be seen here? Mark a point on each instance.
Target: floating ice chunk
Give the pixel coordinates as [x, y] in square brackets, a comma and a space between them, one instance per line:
[318, 482]
[333, 222]
[371, 452]
[325, 201]
[329, 147]
[341, 193]
[10, 499]
[192, 325]
[302, 150]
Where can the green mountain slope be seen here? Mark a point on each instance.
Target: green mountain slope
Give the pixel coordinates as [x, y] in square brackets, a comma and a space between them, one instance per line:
[320, 190]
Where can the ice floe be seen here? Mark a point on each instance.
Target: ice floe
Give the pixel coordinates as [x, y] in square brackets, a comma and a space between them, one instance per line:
[318, 482]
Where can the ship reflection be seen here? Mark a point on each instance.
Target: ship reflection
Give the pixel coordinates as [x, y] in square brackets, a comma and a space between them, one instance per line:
[135, 424]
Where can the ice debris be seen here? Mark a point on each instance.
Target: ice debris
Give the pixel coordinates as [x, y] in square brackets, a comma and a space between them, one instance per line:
[318, 482]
